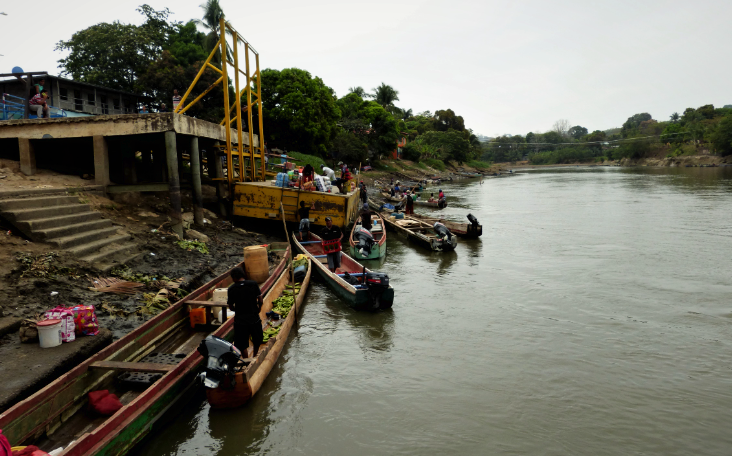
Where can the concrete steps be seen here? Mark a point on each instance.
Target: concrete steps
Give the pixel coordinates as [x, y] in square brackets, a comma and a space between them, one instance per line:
[62, 220]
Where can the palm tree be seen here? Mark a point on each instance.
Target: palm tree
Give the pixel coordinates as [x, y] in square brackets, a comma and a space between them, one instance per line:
[385, 95]
[212, 14]
[359, 91]
[407, 114]
[675, 117]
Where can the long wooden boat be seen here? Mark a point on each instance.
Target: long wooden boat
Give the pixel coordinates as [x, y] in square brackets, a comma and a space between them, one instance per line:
[419, 231]
[361, 296]
[470, 175]
[464, 230]
[378, 231]
[433, 204]
[248, 381]
[395, 199]
[149, 369]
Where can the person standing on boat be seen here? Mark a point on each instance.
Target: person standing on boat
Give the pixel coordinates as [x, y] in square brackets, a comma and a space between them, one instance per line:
[304, 213]
[330, 233]
[245, 299]
[364, 195]
[442, 195]
[410, 204]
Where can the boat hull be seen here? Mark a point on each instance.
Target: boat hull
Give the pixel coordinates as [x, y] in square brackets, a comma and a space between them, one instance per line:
[248, 382]
[117, 435]
[377, 252]
[359, 299]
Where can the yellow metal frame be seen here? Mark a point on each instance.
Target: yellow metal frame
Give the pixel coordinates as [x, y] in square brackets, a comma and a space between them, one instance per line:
[252, 172]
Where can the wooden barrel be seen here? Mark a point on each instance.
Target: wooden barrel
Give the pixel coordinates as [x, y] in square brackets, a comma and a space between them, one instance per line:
[256, 264]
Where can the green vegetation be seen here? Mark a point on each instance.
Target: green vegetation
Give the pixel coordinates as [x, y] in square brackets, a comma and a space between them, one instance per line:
[305, 159]
[193, 245]
[436, 164]
[301, 112]
[477, 164]
[641, 136]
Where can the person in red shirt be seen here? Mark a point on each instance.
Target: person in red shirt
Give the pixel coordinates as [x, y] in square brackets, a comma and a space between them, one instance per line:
[38, 105]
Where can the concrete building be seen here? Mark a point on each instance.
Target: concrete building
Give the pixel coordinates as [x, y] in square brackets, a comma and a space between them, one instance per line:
[76, 98]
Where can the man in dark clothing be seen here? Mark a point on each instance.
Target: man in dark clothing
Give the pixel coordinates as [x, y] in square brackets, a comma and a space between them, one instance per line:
[245, 299]
[329, 233]
[410, 204]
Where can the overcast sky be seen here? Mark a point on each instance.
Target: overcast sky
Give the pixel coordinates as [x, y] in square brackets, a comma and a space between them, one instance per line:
[505, 66]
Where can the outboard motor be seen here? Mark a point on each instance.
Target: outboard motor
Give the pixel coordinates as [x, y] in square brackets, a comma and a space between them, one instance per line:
[364, 239]
[473, 220]
[442, 231]
[377, 283]
[221, 358]
[442, 202]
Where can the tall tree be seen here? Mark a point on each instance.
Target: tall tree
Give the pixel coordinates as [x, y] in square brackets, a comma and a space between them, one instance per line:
[630, 127]
[561, 126]
[385, 95]
[300, 111]
[359, 91]
[721, 138]
[675, 117]
[113, 55]
[211, 21]
[446, 119]
[577, 132]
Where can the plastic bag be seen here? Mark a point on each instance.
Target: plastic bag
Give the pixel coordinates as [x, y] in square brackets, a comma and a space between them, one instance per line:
[67, 322]
[85, 320]
[104, 403]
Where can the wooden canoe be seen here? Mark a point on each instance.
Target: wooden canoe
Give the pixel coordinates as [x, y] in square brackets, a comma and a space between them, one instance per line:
[164, 349]
[358, 297]
[432, 204]
[388, 197]
[248, 382]
[378, 231]
[464, 230]
[419, 231]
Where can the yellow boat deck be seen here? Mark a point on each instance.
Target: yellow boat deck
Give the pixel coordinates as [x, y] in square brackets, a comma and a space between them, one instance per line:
[262, 200]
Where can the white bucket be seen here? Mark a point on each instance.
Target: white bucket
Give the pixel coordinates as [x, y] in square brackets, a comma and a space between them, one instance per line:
[49, 333]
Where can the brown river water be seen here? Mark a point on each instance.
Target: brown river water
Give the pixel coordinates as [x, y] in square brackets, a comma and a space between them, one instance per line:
[593, 317]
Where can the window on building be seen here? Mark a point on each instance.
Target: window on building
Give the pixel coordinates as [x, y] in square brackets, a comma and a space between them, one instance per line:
[115, 102]
[78, 101]
[90, 99]
[64, 94]
[105, 106]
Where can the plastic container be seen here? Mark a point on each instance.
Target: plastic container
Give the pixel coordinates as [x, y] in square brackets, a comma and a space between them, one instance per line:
[300, 272]
[256, 264]
[197, 316]
[49, 333]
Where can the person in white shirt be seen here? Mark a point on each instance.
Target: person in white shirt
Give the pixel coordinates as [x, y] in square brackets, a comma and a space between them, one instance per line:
[328, 172]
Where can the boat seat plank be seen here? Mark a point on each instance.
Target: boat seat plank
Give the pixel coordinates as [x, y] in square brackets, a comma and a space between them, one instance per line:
[207, 303]
[134, 367]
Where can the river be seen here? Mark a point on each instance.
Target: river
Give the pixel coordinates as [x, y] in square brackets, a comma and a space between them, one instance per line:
[593, 317]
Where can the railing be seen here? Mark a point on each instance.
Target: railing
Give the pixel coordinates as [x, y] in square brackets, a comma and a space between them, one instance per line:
[14, 108]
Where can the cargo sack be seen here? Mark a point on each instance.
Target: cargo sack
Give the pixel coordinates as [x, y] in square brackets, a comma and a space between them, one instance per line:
[85, 320]
[67, 322]
[4, 445]
[28, 332]
[104, 403]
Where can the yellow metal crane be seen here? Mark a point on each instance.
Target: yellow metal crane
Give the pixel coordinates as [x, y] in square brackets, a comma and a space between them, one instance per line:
[253, 169]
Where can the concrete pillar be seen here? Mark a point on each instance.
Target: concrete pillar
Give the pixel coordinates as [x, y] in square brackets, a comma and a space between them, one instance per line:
[27, 157]
[171, 154]
[214, 164]
[101, 161]
[196, 178]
